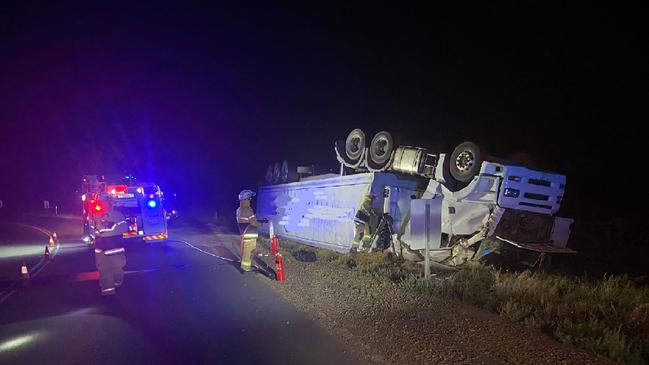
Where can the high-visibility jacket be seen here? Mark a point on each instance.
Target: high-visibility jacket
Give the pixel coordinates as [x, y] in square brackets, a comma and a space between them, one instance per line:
[244, 216]
[108, 229]
[365, 213]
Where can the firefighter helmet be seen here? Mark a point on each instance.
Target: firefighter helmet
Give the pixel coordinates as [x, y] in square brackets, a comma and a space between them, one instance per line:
[246, 194]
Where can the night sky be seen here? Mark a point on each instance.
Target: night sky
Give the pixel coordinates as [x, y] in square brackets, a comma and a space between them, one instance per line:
[201, 98]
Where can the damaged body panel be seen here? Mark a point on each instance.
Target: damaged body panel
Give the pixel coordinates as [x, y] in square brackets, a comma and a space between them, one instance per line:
[320, 212]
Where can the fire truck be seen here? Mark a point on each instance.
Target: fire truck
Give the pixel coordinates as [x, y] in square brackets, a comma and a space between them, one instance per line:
[141, 204]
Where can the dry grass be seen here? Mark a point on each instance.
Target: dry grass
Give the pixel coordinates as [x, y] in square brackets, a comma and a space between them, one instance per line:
[608, 316]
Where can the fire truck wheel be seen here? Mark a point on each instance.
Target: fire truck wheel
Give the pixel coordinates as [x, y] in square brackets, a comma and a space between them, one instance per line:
[465, 161]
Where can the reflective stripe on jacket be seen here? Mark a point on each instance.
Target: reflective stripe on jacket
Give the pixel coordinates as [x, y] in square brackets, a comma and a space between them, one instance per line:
[111, 224]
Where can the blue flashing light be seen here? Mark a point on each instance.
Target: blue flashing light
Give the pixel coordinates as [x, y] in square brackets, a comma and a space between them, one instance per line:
[152, 203]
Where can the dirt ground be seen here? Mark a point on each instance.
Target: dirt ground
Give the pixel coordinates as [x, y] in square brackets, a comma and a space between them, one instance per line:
[385, 323]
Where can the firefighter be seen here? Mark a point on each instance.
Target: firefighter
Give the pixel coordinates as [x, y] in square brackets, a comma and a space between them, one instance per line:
[363, 220]
[248, 225]
[108, 224]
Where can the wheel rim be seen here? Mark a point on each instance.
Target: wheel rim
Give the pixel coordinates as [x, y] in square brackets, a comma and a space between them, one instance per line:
[276, 173]
[269, 174]
[381, 147]
[354, 144]
[284, 172]
[464, 161]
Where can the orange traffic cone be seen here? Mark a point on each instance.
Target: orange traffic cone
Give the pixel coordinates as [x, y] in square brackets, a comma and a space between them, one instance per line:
[47, 253]
[52, 244]
[24, 273]
[279, 261]
[274, 246]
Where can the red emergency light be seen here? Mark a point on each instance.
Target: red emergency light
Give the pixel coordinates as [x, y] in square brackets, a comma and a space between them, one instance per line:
[116, 189]
[95, 205]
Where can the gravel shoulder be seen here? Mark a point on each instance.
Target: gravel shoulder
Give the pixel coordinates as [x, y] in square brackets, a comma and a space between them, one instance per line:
[384, 323]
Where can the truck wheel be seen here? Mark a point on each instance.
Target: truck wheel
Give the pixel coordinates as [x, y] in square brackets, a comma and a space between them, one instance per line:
[276, 173]
[288, 174]
[465, 161]
[283, 172]
[381, 148]
[269, 174]
[355, 144]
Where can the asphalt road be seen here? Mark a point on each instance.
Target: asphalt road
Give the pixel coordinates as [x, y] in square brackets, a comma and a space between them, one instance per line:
[177, 305]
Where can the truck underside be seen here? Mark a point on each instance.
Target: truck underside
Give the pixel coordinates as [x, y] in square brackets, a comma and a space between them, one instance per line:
[500, 209]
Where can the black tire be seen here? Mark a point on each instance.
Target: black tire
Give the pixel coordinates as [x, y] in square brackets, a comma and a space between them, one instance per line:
[465, 161]
[381, 148]
[269, 174]
[283, 172]
[276, 173]
[355, 145]
[288, 173]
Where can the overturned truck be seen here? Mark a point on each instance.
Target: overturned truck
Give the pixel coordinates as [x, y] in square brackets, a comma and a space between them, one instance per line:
[460, 207]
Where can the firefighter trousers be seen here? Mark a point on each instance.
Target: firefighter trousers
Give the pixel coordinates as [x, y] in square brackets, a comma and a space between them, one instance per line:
[248, 244]
[362, 235]
[111, 269]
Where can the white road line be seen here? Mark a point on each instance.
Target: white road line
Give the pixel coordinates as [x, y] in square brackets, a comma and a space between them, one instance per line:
[36, 269]
[43, 261]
